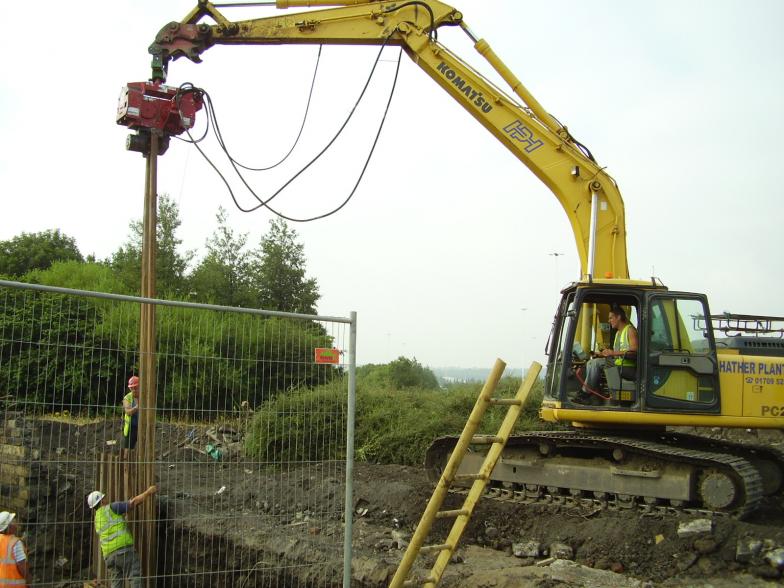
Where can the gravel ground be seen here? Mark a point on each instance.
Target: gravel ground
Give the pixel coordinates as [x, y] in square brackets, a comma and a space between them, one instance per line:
[294, 516]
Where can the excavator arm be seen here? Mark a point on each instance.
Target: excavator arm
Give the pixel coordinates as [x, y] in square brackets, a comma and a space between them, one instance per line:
[588, 195]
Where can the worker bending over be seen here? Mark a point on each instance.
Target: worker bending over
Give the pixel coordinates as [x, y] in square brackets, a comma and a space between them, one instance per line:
[116, 539]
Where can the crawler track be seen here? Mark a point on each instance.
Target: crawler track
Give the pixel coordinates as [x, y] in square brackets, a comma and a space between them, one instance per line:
[667, 473]
[768, 460]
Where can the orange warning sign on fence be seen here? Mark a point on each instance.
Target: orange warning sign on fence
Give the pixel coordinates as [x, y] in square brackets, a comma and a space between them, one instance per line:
[327, 355]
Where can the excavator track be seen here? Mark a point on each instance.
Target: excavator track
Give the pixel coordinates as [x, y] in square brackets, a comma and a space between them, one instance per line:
[768, 460]
[656, 474]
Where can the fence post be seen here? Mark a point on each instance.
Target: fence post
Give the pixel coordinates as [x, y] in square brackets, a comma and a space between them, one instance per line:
[351, 408]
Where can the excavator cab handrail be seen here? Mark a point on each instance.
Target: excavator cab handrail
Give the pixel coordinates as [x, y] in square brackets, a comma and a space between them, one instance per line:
[741, 324]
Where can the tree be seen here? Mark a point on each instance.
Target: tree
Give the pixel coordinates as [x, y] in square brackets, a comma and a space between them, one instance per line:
[170, 265]
[398, 374]
[31, 251]
[278, 272]
[222, 276]
[409, 373]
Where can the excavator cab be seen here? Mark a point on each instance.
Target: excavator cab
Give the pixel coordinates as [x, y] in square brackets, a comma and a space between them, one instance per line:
[674, 367]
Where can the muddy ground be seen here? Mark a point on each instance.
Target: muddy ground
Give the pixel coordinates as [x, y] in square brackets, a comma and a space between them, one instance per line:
[233, 514]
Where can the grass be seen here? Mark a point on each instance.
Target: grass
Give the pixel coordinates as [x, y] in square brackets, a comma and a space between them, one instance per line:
[67, 417]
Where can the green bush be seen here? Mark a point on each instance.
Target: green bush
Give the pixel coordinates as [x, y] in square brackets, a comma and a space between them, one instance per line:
[392, 426]
[96, 277]
[51, 356]
[302, 425]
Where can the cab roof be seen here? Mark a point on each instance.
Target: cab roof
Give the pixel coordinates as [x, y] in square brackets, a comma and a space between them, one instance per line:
[652, 284]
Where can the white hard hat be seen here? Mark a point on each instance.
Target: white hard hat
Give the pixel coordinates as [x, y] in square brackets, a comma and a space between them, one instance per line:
[5, 519]
[94, 498]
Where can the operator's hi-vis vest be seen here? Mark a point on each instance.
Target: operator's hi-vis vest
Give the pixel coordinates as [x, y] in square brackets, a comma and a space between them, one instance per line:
[621, 343]
[9, 573]
[112, 530]
[127, 417]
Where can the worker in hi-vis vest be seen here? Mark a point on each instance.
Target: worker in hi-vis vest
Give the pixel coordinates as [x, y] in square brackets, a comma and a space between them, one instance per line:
[122, 562]
[622, 354]
[131, 414]
[13, 559]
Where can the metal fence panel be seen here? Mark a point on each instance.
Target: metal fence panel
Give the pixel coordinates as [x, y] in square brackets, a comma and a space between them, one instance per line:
[253, 438]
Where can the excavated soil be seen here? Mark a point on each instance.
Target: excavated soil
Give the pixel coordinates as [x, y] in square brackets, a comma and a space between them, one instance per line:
[288, 524]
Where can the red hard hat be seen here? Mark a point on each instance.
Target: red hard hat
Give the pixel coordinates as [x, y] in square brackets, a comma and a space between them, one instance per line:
[133, 382]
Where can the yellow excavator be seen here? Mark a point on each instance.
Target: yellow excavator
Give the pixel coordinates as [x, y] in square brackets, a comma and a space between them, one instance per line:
[686, 368]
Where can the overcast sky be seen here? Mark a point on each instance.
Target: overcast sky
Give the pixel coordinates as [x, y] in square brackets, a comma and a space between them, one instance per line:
[445, 251]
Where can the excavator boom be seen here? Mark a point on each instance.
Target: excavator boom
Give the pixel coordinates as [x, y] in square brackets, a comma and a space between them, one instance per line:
[589, 196]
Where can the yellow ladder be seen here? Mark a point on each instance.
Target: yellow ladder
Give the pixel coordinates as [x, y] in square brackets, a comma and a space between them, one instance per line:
[463, 514]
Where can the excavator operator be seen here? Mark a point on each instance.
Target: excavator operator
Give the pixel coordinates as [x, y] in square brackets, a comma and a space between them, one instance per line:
[623, 354]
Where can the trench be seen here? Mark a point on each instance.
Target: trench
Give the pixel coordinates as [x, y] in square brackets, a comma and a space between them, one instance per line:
[191, 556]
